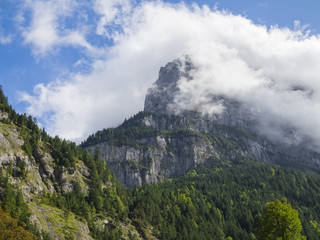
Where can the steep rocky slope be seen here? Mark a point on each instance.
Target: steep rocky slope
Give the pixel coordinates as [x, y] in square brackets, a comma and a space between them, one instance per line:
[166, 141]
[41, 174]
[154, 158]
[38, 174]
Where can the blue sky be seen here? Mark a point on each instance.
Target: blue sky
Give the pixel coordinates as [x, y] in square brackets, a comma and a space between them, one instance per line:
[73, 64]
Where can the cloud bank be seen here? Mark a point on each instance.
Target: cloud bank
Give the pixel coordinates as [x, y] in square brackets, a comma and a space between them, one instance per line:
[273, 70]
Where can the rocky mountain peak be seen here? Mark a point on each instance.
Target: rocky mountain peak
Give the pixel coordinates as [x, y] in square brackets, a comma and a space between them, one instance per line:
[161, 95]
[164, 97]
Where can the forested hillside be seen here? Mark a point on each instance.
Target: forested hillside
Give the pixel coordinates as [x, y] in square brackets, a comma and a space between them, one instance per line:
[52, 189]
[219, 199]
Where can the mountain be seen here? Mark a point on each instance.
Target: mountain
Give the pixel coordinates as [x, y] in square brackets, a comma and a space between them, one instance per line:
[165, 140]
[209, 176]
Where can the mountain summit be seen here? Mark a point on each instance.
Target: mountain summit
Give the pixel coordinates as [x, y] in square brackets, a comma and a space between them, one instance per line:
[167, 96]
[173, 135]
[186, 90]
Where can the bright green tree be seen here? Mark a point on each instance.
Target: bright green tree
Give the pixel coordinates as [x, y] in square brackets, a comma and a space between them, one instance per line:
[279, 221]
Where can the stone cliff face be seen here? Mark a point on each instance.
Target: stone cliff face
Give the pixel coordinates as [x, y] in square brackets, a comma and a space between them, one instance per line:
[183, 139]
[155, 159]
[180, 143]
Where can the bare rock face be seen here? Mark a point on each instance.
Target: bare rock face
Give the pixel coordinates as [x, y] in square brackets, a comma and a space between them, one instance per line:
[155, 158]
[69, 176]
[37, 173]
[3, 115]
[14, 159]
[163, 91]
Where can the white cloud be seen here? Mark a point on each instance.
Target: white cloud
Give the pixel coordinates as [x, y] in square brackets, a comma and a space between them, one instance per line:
[237, 58]
[110, 12]
[48, 29]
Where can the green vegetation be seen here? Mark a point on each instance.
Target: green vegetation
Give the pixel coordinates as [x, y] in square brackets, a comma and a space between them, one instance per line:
[279, 221]
[105, 198]
[62, 222]
[221, 199]
[120, 136]
[10, 230]
[15, 223]
[133, 129]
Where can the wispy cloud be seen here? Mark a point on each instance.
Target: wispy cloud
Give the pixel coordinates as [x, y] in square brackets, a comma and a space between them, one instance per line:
[5, 39]
[111, 12]
[47, 29]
